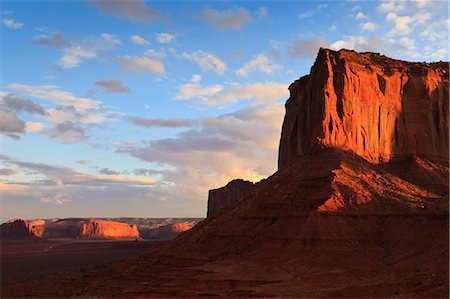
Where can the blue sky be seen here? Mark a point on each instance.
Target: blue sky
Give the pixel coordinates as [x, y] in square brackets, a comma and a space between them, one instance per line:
[133, 108]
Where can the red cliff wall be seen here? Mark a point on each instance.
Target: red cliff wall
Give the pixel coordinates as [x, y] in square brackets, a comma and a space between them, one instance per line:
[377, 107]
[231, 193]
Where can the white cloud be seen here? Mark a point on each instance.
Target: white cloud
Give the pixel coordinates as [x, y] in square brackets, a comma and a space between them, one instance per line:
[156, 55]
[369, 26]
[389, 6]
[53, 94]
[260, 63]
[360, 16]
[165, 38]
[216, 95]
[206, 61]
[138, 64]
[422, 3]
[139, 40]
[78, 51]
[401, 24]
[435, 53]
[10, 23]
[359, 43]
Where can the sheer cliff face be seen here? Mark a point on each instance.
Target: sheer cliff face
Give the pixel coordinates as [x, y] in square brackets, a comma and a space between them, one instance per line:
[229, 194]
[374, 106]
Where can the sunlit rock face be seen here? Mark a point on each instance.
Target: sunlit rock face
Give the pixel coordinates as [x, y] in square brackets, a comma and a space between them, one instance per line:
[91, 229]
[22, 229]
[372, 105]
[229, 194]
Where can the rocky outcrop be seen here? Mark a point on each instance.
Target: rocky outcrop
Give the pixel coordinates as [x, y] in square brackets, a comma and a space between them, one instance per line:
[91, 229]
[375, 106]
[21, 229]
[231, 193]
[166, 232]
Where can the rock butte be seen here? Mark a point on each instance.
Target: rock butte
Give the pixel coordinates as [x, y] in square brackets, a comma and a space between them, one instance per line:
[22, 229]
[229, 194]
[374, 106]
[332, 221]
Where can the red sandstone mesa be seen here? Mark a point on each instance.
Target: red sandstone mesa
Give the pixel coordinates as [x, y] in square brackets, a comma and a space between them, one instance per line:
[332, 221]
[91, 229]
[375, 106]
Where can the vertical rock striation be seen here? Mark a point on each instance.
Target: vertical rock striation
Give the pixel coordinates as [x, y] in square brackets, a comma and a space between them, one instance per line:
[379, 108]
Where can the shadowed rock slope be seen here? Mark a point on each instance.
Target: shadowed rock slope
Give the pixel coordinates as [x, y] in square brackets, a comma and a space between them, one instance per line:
[330, 223]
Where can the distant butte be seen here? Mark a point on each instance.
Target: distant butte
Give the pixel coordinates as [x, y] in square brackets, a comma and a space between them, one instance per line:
[357, 209]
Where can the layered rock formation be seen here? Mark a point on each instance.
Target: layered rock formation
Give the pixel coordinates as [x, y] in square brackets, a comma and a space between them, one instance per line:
[91, 229]
[333, 221]
[166, 232]
[377, 107]
[21, 229]
[229, 194]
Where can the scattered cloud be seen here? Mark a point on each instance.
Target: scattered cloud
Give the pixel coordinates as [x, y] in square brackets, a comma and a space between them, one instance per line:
[7, 172]
[137, 64]
[206, 61]
[134, 10]
[422, 3]
[11, 125]
[360, 16]
[53, 94]
[107, 171]
[389, 6]
[312, 12]
[218, 150]
[17, 103]
[225, 20]
[369, 26]
[306, 48]
[216, 95]
[163, 123]
[56, 40]
[68, 132]
[139, 40]
[259, 63]
[11, 24]
[75, 51]
[155, 54]
[165, 38]
[33, 126]
[65, 176]
[402, 24]
[87, 49]
[359, 43]
[112, 86]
